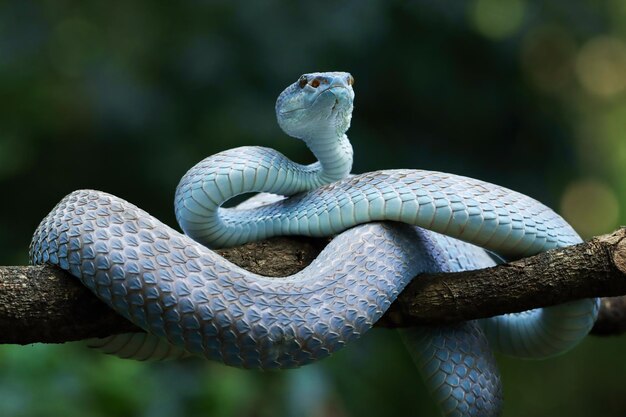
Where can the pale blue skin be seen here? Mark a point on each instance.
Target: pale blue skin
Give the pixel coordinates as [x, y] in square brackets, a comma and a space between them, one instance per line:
[192, 301]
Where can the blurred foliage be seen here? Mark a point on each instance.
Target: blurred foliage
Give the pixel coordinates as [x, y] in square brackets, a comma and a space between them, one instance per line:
[126, 96]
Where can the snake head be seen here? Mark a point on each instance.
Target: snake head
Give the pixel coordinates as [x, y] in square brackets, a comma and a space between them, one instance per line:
[318, 104]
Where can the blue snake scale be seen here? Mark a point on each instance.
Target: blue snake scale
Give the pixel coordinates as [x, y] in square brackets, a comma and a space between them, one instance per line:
[192, 301]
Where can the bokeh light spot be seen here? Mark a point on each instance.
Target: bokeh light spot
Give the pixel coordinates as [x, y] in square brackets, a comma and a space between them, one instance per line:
[498, 19]
[601, 66]
[590, 206]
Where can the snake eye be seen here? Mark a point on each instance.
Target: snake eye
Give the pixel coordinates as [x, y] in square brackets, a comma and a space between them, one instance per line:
[315, 83]
[350, 80]
[302, 81]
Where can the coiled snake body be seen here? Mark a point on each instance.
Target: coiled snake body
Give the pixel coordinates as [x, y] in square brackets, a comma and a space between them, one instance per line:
[191, 301]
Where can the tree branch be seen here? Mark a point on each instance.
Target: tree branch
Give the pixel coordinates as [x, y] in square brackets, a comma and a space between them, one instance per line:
[45, 304]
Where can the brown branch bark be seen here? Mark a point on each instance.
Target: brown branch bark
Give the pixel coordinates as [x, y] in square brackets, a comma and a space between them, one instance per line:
[45, 304]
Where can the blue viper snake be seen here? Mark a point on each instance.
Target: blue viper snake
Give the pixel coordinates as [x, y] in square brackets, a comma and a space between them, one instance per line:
[191, 301]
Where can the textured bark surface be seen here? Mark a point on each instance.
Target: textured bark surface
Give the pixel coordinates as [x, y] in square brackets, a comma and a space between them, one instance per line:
[45, 304]
[596, 268]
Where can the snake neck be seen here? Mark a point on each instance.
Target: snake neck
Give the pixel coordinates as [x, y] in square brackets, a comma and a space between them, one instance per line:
[334, 154]
[207, 186]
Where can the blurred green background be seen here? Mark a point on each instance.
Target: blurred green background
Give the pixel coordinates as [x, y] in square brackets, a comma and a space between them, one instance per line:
[126, 96]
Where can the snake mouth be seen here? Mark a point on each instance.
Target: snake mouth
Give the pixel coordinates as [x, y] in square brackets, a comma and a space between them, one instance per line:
[340, 98]
[332, 89]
